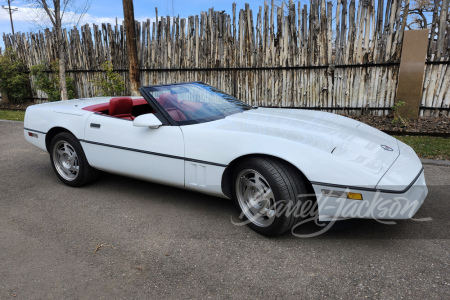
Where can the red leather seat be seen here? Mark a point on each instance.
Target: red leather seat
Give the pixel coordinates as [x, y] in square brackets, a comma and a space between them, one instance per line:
[169, 101]
[176, 114]
[121, 107]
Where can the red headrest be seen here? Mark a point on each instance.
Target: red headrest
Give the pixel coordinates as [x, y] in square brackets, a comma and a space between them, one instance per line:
[120, 106]
[167, 100]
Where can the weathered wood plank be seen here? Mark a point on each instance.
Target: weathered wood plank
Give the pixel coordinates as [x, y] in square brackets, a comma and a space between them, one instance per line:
[365, 32]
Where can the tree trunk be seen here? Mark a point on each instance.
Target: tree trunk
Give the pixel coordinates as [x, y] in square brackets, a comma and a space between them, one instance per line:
[128, 12]
[61, 54]
[62, 67]
[4, 98]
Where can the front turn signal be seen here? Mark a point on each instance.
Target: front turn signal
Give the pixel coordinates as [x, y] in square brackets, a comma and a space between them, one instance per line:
[354, 196]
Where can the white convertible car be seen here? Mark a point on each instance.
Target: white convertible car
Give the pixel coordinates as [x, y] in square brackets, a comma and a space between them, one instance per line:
[271, 161]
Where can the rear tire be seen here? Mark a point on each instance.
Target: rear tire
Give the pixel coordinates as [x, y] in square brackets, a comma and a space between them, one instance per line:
[268, 193]
[69, 161]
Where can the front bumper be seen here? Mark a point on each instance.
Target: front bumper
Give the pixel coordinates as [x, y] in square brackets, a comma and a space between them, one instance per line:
[376, 204]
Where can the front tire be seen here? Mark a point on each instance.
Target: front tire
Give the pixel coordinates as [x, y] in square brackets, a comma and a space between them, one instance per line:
[69, 161]
[268, 192]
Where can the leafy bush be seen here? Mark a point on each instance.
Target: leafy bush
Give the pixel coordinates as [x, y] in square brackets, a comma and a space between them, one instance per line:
[48, 82]
[398, 119]
[111, 84]
[13, 80]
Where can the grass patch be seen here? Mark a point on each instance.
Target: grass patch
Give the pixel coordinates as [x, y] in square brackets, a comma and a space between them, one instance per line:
[428, 146]
[14, 115]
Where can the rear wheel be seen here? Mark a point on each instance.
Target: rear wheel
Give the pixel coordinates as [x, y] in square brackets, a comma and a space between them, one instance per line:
[269, 193]
[69, 161]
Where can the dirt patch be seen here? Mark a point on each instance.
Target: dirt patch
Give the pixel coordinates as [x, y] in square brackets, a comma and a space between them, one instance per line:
[14, 106]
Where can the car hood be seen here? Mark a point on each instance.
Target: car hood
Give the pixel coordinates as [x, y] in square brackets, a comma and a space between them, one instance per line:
[342, 137]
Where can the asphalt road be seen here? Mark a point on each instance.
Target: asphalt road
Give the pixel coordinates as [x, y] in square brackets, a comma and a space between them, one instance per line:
[162, 242]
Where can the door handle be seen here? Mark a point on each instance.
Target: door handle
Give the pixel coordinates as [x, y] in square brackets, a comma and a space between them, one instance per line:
[95, 125]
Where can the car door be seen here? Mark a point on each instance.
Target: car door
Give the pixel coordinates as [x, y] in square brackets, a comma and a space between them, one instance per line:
[115, 145]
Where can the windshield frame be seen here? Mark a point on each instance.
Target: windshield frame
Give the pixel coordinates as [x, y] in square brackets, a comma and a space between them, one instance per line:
[146, 92]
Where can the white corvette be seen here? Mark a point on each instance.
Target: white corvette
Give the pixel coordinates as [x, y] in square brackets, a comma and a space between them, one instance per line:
[269, 160]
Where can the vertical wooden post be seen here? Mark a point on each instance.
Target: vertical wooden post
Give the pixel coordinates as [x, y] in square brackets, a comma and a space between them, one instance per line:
[128, 12]
[4, 98]
[412, 70]
[10, 12]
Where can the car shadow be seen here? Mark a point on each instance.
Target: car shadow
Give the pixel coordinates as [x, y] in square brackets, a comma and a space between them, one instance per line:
[428, 223]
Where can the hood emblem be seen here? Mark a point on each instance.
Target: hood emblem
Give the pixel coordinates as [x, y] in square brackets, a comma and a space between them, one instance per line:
[387, 148]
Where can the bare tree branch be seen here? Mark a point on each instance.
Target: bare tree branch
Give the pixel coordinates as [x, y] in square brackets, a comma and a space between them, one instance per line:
[57, 11]
[420, 12]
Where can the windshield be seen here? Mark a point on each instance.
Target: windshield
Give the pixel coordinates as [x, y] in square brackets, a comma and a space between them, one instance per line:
[196, 102]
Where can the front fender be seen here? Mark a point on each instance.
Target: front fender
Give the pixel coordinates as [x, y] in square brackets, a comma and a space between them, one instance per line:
[313, 159]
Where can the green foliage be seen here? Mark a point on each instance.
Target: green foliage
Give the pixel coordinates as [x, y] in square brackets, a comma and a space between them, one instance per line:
[13, 79]
[398, 119]
[15, 115]
[111, 84]
[397, 105]
[48, 82]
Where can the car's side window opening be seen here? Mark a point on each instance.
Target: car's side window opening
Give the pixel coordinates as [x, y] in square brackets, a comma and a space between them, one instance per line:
[142, 109]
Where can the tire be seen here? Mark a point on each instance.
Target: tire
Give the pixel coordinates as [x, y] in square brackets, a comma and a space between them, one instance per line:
[262, 188]
[69, 161]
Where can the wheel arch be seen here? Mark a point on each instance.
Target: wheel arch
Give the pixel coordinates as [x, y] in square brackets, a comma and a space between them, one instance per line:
[228, 173]
[52, 133]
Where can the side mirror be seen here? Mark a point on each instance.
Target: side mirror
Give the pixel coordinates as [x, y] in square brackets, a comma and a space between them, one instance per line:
[147, 120]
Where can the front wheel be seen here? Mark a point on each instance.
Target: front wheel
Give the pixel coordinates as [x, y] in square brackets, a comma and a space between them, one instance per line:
[268, 192]
[69, 161]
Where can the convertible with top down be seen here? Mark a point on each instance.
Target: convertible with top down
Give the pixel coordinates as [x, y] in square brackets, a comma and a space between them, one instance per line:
[269, 160]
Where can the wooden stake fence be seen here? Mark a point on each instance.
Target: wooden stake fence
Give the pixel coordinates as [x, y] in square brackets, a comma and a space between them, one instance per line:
[344, 57]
